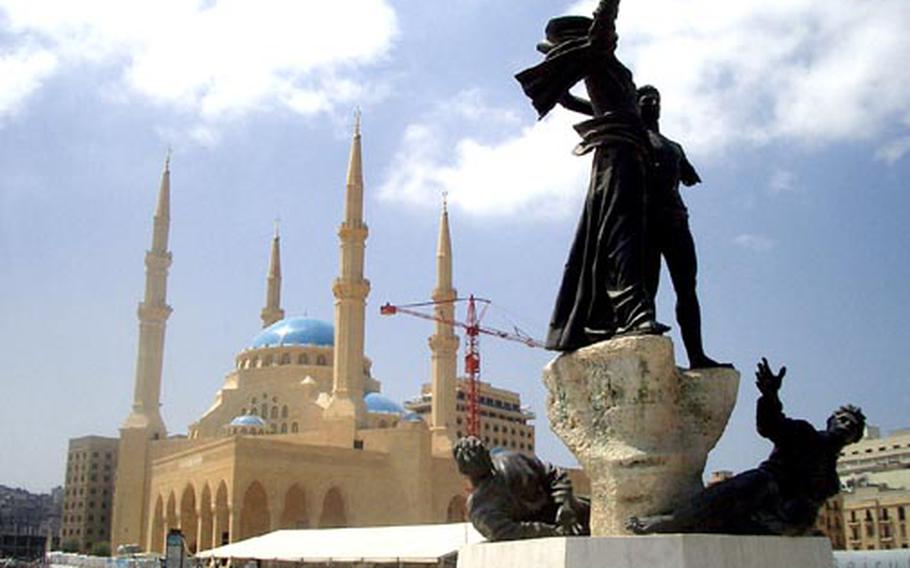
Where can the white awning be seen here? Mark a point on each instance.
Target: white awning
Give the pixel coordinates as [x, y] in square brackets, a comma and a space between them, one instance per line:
[416, 543]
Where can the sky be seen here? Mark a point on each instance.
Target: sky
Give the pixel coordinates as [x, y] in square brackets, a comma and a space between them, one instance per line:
[796, 114]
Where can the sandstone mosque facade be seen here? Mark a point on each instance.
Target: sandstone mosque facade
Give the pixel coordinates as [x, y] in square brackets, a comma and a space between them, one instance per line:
[299, 434]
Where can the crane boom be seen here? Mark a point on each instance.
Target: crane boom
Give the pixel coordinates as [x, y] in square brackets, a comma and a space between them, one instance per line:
[473, 330]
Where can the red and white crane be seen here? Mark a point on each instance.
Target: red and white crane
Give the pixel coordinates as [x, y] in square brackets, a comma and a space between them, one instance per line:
[472, 331]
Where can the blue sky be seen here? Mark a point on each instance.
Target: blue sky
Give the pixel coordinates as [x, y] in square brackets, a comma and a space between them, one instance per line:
[794, 112]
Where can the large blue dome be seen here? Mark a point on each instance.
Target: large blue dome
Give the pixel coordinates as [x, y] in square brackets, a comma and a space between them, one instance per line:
[375, 402]
[296, 331]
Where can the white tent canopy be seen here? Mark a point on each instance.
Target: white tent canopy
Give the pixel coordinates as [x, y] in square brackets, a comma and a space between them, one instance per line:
[416, 544]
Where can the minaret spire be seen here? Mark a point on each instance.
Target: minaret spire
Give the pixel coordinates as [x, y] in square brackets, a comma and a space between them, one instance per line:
[272, 311]
[351, 290]
[443, 344]
[153, 314]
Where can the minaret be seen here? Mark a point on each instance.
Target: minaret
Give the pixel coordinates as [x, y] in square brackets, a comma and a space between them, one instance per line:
[350, 290]
[153, 313]
[443, 345]
[144, 423]
[272, 311]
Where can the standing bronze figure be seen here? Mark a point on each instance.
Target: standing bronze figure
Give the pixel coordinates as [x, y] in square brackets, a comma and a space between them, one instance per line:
[668, 228]
[783, 495]
[603, 291]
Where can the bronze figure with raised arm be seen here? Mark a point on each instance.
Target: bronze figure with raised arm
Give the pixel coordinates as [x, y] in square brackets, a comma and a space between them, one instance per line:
[603, 291]
[781, 496]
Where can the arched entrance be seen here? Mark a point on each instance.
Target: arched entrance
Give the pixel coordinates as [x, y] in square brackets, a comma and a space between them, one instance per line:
[189, 522]
[254, 513]
[333, 512]
[222, 520]
[457, 511]
[156, 542]
[294, 514]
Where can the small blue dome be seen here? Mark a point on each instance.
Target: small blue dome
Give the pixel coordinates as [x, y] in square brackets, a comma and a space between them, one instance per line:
[296, 331]
[383, 405]
[248, 420]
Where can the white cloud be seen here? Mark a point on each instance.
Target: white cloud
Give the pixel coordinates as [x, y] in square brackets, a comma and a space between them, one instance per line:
[533, 172]
[782, 181]
[894, 150]
[221, 57]
[758, 243]
[23, 72]
[757, 71]
[732, 73]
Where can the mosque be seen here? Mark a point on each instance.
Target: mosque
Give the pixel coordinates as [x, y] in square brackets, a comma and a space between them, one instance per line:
[299, 435]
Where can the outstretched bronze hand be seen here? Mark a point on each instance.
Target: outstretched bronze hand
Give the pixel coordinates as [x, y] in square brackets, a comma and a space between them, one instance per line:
[767, 382]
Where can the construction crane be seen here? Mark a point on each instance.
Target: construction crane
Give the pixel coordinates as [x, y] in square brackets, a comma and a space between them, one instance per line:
[472, 330]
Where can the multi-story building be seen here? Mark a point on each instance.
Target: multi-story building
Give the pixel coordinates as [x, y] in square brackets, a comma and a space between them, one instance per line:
[504, 423]
[877, 460]
[90, 467]
[875, 518]
[28, 522]
[870, 512]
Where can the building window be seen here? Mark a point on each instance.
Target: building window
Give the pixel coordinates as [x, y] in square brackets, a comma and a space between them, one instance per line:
[303, 359]
[294, 428]
[320, 360]
[900, 513]
[284, 411]
[285, 359]
[274, 412]
[284, 428]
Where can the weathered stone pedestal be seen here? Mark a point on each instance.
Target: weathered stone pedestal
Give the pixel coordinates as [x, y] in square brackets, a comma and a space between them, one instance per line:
[660, 551]
[640, 427]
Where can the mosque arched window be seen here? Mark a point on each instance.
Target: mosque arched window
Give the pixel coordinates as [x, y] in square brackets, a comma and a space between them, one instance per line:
[284, 428]
[285, 359]
[320, 360]
[255, 362]
[269, 361]
[382, 424]
[243, 411]
[254, 411]
[274, 412]
[303, 359]
[294, 427]
[265, 410]
[284, 411]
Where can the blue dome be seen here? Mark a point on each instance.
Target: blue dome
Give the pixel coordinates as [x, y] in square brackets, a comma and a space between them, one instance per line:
[412, 417]
[377, 403]
[296, 331]
[248, 420]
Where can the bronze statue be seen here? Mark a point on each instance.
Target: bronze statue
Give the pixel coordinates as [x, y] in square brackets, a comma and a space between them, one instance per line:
[603, 291]
[515, 496]
[668, 228]
[783, 495]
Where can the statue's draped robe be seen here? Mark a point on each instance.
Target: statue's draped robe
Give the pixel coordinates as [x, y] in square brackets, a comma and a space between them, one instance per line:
[602, 289]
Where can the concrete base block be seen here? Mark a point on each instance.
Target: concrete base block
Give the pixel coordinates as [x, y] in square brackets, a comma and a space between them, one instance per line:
[657, 551]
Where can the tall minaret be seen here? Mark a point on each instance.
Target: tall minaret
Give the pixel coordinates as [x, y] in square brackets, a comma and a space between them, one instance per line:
[272, 311]
[153, 314]
[350, 290]
[144, 423]
[444, 345]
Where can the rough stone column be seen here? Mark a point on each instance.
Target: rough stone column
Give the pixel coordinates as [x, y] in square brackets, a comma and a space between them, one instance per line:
[640, 427]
